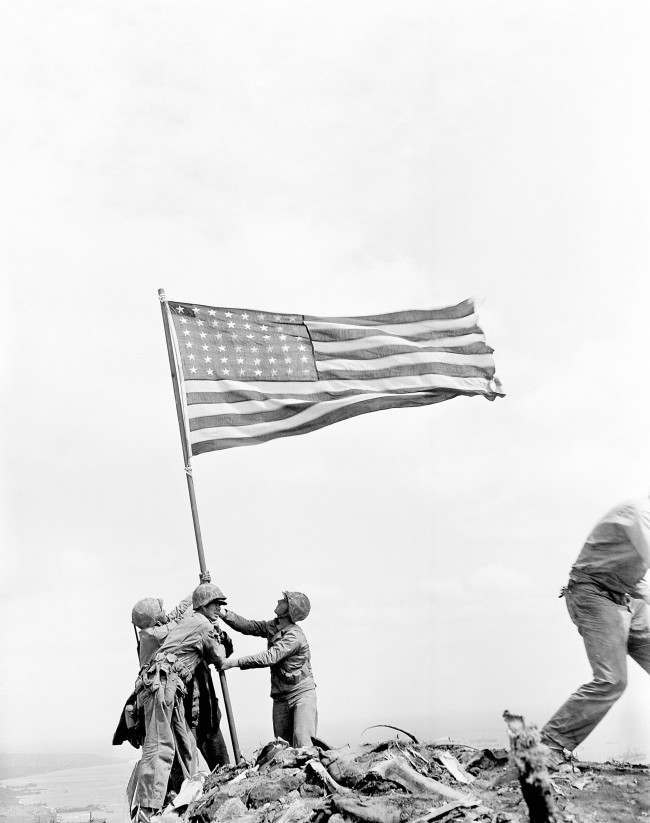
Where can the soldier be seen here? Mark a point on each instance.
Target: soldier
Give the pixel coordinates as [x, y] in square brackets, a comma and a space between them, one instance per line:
[201, 705]
[293, 689]
[606, 598]
[160, 692]
[154, 623]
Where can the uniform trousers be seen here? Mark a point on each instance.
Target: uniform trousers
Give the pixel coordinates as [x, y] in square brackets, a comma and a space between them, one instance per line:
[295, 719]
[610, 632]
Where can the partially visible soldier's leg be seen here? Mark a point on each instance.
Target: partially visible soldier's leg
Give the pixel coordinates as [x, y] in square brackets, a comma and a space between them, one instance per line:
[305, 719]
[282, 720]
[213, 748]
[186, 751]
[157, 752]
[604, 627]
[176, 777]
[638, 642]
[131, 787]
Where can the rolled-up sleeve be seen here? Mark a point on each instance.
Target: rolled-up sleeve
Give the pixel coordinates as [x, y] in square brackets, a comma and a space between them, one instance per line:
[258, 628]
[279, 649]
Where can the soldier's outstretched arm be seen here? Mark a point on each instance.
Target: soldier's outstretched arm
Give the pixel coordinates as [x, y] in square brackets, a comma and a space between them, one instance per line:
[179, 611]
[259, 628]
[281, 648]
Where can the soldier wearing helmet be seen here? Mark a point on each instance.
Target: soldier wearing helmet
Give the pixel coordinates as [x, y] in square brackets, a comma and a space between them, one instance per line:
[154, 623]
[172, 675]
[201, 703]
[293, 689]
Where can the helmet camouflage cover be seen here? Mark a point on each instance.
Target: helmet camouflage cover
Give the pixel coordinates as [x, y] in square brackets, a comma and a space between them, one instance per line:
[147, 612]
[299, 605]
[206, 593]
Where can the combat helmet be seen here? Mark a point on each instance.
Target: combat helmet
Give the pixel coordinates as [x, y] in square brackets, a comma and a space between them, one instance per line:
[205, 593]
[299, 605]
[147, 612]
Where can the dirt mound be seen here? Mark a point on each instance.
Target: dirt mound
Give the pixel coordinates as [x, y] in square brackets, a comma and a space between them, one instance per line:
[396, 782]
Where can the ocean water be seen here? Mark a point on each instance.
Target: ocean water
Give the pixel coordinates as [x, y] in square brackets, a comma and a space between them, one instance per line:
[98, 786]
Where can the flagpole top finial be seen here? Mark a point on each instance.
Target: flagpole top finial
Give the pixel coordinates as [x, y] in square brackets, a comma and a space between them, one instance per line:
[161, 295]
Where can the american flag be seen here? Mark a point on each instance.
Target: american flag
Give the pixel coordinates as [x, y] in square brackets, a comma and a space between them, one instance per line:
[251, 376]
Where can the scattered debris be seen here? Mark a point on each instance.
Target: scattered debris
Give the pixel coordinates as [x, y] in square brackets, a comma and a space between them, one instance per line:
[231, 809]
[399, 771]
[395, 728]
[398, 781]
[371, 810]
[439, 811]
[275, 785]
[486, 759]
[316, 768]
[342, 767]
[453, 766]
[191, 788]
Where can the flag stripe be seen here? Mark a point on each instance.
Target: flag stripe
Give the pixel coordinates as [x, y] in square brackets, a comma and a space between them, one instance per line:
[374, 341]
[202, 441]
[222, 420]
[263, 404]
[388, 351]
[408, 369]
[260, 415]
[341, 334]
[239, 403]
[371, 365]
[215, 389]
[462, 309]
[398, 328]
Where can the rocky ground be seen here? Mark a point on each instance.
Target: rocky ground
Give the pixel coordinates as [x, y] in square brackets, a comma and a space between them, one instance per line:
[397, 782]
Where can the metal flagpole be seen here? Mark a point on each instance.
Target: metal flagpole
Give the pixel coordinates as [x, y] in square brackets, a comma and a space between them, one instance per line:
[182, 424]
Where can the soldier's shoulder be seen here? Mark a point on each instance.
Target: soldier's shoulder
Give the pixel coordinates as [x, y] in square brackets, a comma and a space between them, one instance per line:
[296, 631]
[633, 506]
[626, 512]
[195, 622]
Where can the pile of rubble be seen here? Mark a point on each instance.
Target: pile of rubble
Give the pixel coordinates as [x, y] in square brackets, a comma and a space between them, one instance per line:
[389, 782]
[408, 782]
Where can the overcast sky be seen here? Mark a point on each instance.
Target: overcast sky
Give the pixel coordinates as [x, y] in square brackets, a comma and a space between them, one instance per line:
[325, 158]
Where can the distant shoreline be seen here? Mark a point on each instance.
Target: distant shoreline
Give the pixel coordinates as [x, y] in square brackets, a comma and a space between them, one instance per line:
[18, 765]
[97, 785]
